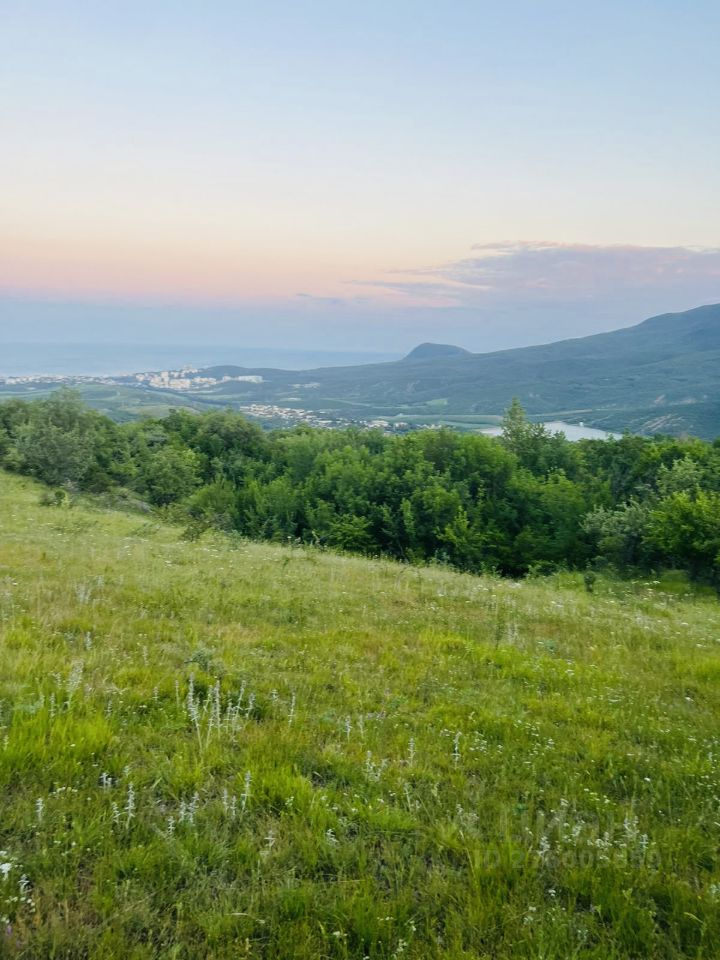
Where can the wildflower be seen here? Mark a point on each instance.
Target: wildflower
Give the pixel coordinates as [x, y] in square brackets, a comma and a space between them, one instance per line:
[74, 680]
[456, 748]
[130, 804]
[245, 796]
[544, 848]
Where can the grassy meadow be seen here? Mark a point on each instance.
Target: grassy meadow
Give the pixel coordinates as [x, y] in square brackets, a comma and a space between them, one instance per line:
[227, 749]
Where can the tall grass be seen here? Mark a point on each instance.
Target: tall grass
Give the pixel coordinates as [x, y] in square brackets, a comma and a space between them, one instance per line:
[224, 749]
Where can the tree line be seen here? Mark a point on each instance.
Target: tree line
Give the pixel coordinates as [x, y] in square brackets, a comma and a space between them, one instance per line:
[526, 501]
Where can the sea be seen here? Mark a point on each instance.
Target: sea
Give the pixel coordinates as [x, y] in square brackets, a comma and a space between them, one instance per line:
[112, 359]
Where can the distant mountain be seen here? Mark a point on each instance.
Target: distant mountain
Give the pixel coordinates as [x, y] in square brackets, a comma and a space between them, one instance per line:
[662, 375]
[435, 351]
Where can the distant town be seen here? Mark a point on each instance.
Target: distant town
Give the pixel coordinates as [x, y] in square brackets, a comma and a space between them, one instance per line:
[195, 381]
[188, 378]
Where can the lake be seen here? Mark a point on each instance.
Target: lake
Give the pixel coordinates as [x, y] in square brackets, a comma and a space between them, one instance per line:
[573, 431]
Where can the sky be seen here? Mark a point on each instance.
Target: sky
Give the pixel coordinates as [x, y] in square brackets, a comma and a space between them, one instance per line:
[336, 175]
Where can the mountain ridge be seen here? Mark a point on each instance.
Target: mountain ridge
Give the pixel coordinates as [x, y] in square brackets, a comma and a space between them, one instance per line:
[662, 373]
[658, 322]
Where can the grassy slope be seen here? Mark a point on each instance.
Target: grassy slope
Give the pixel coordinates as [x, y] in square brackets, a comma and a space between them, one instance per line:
[440, 765]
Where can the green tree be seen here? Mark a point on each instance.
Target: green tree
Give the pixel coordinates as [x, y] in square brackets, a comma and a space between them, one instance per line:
[351, 533]
[171, 474]
[685, 531]
[620, 535]
[537, 449]
[463, 542]
[51, 453]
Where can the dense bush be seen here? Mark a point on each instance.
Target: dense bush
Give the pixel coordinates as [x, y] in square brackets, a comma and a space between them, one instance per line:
[527, 500]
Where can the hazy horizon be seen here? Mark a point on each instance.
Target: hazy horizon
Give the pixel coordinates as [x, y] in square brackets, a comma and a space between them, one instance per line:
[141, 325]
[107, 359]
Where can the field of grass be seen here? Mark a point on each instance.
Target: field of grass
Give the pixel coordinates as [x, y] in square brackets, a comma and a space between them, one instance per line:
[224, 749]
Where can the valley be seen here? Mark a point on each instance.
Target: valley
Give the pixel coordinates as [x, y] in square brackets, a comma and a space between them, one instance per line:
[660, 376]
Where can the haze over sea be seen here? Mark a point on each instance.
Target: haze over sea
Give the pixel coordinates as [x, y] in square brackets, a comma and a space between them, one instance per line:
[111, 359]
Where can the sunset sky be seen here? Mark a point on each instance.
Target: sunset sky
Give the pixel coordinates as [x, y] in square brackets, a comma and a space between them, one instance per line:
[355, 175]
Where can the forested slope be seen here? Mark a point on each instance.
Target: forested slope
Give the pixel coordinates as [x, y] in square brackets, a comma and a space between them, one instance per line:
[529, 500]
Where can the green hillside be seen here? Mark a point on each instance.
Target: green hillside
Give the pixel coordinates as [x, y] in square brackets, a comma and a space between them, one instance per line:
[658, 376]
[224, 749]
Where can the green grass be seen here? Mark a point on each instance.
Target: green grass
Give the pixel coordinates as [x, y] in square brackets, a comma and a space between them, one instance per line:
[440, 766]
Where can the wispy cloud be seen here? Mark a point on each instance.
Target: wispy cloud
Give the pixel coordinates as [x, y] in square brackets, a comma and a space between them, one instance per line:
[500, 295]
[319, 301]
[506, 273]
